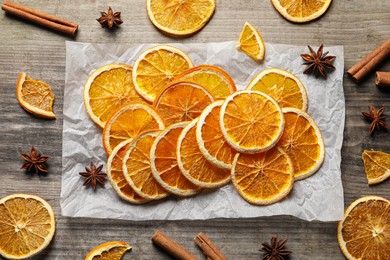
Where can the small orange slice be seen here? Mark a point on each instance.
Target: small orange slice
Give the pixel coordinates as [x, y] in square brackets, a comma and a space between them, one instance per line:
[251, 121]
[137, 169]
[108, 251]
[116, 177]
[210, 139]
[108, 88]
[263, 178]
[251, 42]
[302, 140]
[299, 11]
[156, 67]
[129, 121]
[214, 79]
[27, 226]
[364, 233]
[181, 102]
[180, 17]
[377, 166]
[281, 85]
[35, 96]
[164, 163]
[195, 167]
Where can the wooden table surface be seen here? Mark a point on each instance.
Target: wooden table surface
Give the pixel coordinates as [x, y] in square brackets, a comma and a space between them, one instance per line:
[358, 25]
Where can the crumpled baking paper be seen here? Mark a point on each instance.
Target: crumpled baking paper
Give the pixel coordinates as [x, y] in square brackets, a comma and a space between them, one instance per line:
[319, 197]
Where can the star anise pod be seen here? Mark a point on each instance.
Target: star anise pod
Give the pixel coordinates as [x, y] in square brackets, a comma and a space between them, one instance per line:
[377, 119]
[110, 18]
[34, 160]
[275, 250]
[318, 62]
[94, 176]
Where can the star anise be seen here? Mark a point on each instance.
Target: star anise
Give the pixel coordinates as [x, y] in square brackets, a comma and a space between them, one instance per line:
[318, 62]
[34, 160]
[110, 18]
[275, 250]
[377, 119]
[94, 176]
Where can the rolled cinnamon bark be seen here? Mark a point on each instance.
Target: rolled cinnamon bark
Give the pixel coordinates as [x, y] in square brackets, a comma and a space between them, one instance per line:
[171, 247]
[382, 79]
[209, 248]
[40, 18]
[369, 62]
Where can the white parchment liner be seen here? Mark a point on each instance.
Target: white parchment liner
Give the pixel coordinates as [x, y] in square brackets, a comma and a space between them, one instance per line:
[319, 197]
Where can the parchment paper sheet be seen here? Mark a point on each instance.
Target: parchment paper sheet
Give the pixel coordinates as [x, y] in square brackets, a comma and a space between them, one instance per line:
[319, 197]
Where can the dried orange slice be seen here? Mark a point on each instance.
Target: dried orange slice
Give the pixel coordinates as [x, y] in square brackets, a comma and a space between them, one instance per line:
[302, 140]
[129, 121]
[35, 96]
[377, 166]
[27, 226]
[301, 11]
[195, 167]
[116, 177]
[157, 67]
[214, 79]
[108, 88]
[137, 169]
[180, 17]
[113, 250]
[263, 178]
[210, 139]
[181, 102]
[251, 42]
[364, 233]
[164, 163]
[251, 121]
[281, 85]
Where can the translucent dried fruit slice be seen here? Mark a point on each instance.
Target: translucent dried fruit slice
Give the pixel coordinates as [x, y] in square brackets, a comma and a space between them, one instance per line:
[27, 226]
[117, 178]
[180, 17]
[35, 96]
[182, 102]
[156, 67]
[377, 166]
[364, 233]
[301, 11]
[263, 178]
[113, 250]
[251, 42]
[195, 167]
[251, 121]
[302, 140]
[129, 121]
[210, 139]
[164, 163]
[137, 168]
[281, 85]
[108, 88]
[214, 79]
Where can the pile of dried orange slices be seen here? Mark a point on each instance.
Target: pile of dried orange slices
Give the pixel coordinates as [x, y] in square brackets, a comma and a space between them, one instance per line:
[172, 128]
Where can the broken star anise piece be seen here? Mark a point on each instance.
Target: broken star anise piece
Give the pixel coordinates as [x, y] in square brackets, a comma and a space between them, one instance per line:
[318, 62]
[376, 118]
[275, 250]
[94, 175]
[110, 18]
[34, 160]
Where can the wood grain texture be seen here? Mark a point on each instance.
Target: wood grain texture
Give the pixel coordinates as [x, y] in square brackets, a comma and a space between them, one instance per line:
[358, 25]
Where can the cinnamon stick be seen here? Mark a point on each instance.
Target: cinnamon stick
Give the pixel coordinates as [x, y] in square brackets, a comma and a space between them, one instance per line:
[171, 247]
[209, 248]
[382, 79]
[46, 20]
[369, 62]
